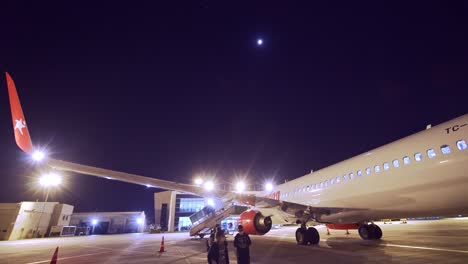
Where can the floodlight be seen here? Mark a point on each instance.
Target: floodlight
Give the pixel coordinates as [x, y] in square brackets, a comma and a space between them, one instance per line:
[269, 186]
[38, 155]
[209, 185]
[198, 181]
[94, 222]
[51, 179]
[240, 186]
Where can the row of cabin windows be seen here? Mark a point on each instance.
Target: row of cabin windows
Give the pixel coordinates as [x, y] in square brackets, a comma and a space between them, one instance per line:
[431, 153]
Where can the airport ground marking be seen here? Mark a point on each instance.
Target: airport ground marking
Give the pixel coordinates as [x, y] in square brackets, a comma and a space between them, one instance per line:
[425, 248]
[71, 257]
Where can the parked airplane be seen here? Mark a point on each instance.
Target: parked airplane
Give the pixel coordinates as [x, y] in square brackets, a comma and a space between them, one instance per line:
[422, 175]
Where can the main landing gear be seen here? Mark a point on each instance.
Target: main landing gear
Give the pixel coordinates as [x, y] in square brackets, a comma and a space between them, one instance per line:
[370, 232]
[305, 236]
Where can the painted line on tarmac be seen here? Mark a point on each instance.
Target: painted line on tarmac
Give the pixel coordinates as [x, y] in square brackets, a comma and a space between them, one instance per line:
[71, 257]
[396, 245]
[425, 248]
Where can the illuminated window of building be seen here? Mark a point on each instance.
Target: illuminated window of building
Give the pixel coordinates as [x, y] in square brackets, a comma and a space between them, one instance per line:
[406, 160]
[396, 163]
[359, 173]
[445, 149]
[191, 204]
[418, 156]
[461, 144]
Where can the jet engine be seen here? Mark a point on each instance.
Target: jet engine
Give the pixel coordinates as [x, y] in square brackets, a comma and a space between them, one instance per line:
[255, 223]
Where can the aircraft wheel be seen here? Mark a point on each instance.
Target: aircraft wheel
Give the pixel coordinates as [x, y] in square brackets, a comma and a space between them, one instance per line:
[301, 236]
[366, 232]
[312, 235]
[377, 232]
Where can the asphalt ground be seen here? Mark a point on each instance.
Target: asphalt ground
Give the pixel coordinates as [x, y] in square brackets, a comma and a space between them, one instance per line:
[439, 241]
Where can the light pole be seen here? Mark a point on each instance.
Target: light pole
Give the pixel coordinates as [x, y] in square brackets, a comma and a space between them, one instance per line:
[47, 181]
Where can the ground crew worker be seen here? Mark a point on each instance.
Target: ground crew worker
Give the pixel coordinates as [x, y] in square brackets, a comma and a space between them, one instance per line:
[242, 243]
[218, 252]
[212, 237]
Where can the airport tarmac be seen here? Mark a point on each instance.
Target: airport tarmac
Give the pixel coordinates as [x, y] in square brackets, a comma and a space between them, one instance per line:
[439, 241]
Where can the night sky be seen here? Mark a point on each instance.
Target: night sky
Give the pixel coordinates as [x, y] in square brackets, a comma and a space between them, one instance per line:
[170, 89]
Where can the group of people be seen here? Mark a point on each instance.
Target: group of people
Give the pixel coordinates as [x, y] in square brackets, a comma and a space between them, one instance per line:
[218, 246]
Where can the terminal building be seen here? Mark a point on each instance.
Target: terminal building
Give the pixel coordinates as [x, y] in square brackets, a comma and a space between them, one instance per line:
[172, 211]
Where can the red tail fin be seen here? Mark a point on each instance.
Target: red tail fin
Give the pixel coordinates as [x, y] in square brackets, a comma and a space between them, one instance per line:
[23, 140]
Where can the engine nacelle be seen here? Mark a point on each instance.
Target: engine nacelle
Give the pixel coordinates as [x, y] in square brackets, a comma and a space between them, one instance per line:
[255, 223]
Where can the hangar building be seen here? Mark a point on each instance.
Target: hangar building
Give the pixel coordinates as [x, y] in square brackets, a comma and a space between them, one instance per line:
[109, 222]
[32, 219]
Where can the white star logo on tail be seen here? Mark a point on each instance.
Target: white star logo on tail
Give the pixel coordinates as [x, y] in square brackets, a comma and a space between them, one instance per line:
[20, 124]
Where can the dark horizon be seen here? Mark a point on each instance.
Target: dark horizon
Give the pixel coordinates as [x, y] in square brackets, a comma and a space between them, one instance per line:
[169, 91]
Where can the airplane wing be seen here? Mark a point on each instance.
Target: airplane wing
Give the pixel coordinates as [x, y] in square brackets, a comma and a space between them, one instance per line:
[133, 178]
[24, 142]
[287, 209]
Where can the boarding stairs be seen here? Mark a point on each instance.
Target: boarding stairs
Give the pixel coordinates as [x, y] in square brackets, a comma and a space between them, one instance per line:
[207, 218]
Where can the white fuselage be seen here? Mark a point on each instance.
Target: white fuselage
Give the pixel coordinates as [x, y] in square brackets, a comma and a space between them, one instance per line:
[433, 186]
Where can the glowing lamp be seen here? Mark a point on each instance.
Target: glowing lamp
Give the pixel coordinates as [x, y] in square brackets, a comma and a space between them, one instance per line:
[50, 179]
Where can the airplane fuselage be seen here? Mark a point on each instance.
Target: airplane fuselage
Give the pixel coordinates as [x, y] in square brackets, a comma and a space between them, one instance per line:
[401, 186]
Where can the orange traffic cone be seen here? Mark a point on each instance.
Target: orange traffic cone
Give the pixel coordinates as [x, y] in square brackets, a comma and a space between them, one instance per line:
[54, 257]
[161, 249]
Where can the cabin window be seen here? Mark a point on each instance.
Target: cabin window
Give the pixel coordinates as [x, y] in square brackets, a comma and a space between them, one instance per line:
[338, 179]
[308, 188]
[377, 168]
[386, 166]
[332, 181]
[396, 163]
[321, 184]
[359, 173]
[351, 176]
[325, 184]
[345, 177]
[461, 144]
[431, 153]
[445, 149]
[418, 156]
[368, 171]
[406, 160]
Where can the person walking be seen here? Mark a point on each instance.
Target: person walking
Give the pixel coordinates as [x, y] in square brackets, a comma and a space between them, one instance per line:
[218, 252]
[242, 243]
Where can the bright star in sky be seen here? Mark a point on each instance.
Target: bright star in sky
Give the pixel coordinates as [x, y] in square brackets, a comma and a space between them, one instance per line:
[259, 42]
